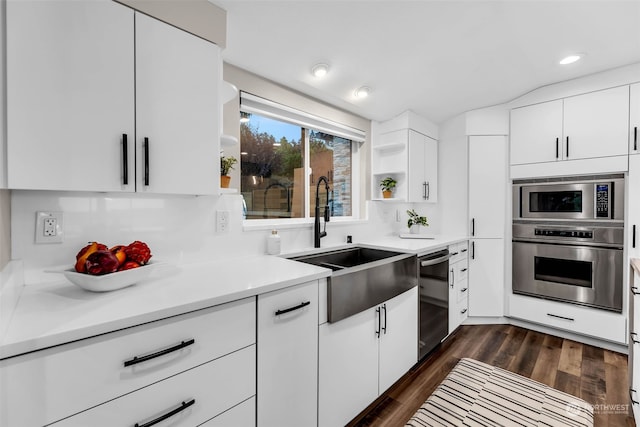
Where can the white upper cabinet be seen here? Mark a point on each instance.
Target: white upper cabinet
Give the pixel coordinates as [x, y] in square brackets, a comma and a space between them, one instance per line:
[585, 126]
[70, 95]
[536, 131]
[634, 119]
[411, 158]
[423, 168]
[177, 110]
[84, 92]
[596, 124]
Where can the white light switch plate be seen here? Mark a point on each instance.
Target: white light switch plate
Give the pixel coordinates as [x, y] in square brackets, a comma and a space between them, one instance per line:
[49, 227]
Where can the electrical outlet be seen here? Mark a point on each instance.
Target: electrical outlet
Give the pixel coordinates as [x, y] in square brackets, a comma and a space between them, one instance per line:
[222, 221]
[49, 227]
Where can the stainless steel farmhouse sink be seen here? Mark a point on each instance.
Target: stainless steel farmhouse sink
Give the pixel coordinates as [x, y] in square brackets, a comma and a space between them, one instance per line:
[363, 277]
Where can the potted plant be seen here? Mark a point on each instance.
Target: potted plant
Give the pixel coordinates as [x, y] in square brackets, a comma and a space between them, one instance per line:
[387, 185]
[226, 164]
[416, 221]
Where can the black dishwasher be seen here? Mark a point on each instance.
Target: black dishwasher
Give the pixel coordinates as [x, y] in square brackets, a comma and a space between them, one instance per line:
[434, 300]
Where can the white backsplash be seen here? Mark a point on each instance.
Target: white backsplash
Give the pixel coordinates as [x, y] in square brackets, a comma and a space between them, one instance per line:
[179, 229]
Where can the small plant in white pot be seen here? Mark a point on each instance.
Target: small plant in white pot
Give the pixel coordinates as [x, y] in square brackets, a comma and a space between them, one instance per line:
[416, 222]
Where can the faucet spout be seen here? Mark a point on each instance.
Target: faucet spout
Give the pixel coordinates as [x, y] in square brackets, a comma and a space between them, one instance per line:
[317, 234]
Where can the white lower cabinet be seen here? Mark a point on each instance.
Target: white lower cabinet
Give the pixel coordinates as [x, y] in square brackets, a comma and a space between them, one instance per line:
[188, 399]
[288, 357]
[69, 379]
[241, 415]
[486, 278]
[363, 355]
[634, 341]
[458, 285]
[593, 322]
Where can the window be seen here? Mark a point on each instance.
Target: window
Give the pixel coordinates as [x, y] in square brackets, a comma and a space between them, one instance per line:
[283, 154]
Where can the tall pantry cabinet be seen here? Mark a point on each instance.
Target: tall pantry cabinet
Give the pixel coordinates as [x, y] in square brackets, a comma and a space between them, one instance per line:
[103, 98]
[487, 215]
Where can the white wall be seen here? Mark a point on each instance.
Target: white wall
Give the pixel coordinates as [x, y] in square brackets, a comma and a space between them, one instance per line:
[178, 229]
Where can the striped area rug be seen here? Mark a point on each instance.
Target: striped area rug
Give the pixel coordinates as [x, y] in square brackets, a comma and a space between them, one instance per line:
[477, 394]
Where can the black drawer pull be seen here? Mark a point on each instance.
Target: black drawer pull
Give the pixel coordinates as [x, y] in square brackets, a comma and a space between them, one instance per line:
[631, 391]
[567, 147]
[378, 315]
[463, 270]
[384, 328]
[633, 336]
[463, 311]
[140, 359]
[169, 414]
[560, 317]
[454, 254]
[634, 290]
[463, 290]
[297, 307]
[557, 145]
[635, 137]
[464, 250]
[146, 161]
[125, 160]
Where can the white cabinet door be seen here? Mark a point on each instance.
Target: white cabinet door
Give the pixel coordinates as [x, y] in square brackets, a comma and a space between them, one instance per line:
[288, 357]
[634, 116]
[486, 278]
[348, 368]
[487, 186]
[398, 350]
[597, 124]
[536, 131]
[70, 95]
[423, 168]
[177, 110]
[633, 213]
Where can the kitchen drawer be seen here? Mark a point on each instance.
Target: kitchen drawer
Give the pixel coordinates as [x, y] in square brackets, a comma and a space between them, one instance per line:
[462, 308]
[462, 289]
[601, 324]
[460, 270]
[67, 379]
[458, 251]
[241, 415]
[215, 387]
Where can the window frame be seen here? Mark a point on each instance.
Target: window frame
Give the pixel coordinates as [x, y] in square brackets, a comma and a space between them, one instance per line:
[309, 122]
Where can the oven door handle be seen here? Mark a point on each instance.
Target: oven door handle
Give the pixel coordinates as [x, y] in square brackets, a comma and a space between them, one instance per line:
[435, 261]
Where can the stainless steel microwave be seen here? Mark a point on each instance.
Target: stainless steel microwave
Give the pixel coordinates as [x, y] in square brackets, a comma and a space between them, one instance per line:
[584, 198]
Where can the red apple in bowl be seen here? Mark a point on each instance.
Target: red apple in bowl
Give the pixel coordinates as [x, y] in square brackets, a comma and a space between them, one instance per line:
[101, 262]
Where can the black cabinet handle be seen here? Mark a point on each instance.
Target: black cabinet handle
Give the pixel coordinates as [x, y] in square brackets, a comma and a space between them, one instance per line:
[125, 160]
[634, 290]
[473, 226]
[567, 147]
[384, 328]
[633, 236]
[453, 280]
[428, 191]
[631, 391]
[464, 250]
[454, 254]
[635, 137]
[560, 317]
[463, 311]
[378, 314]
[146, 161]
[290, 309]
[140, 359]
[473, 250]
[424, 191]
[463, 270]
[169, 414]
[557, 147]
[463, 290]
[633, 336]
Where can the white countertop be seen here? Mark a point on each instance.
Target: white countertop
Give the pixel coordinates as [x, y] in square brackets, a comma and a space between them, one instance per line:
[58, 312]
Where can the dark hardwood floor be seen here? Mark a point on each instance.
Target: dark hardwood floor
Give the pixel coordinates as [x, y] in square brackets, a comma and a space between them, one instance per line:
[596, 375]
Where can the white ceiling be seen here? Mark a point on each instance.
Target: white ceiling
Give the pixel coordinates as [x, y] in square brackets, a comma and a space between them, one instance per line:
[437, 58]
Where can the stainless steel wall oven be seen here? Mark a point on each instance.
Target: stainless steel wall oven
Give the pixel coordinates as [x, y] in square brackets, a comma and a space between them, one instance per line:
[568, 237]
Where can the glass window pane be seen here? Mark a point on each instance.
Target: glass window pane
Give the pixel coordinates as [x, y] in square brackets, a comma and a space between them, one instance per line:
[272, 168]
[330, 156]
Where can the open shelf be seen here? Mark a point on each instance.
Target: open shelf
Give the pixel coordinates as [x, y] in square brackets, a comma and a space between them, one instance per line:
[396, 146]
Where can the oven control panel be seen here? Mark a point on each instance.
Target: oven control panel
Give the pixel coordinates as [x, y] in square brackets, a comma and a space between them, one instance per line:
[577, 234]
[602, 200]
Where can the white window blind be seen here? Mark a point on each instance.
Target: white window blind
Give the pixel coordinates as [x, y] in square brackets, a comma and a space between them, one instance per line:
[254, 104]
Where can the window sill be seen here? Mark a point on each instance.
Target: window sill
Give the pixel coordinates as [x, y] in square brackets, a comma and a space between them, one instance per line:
[270, 224]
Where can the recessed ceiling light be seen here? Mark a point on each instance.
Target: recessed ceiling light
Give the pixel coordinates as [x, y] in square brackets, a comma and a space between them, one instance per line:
[320, 70]
[362, 92]
[571, 59]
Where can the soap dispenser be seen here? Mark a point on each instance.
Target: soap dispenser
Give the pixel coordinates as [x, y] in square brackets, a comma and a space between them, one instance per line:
[273, 243]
